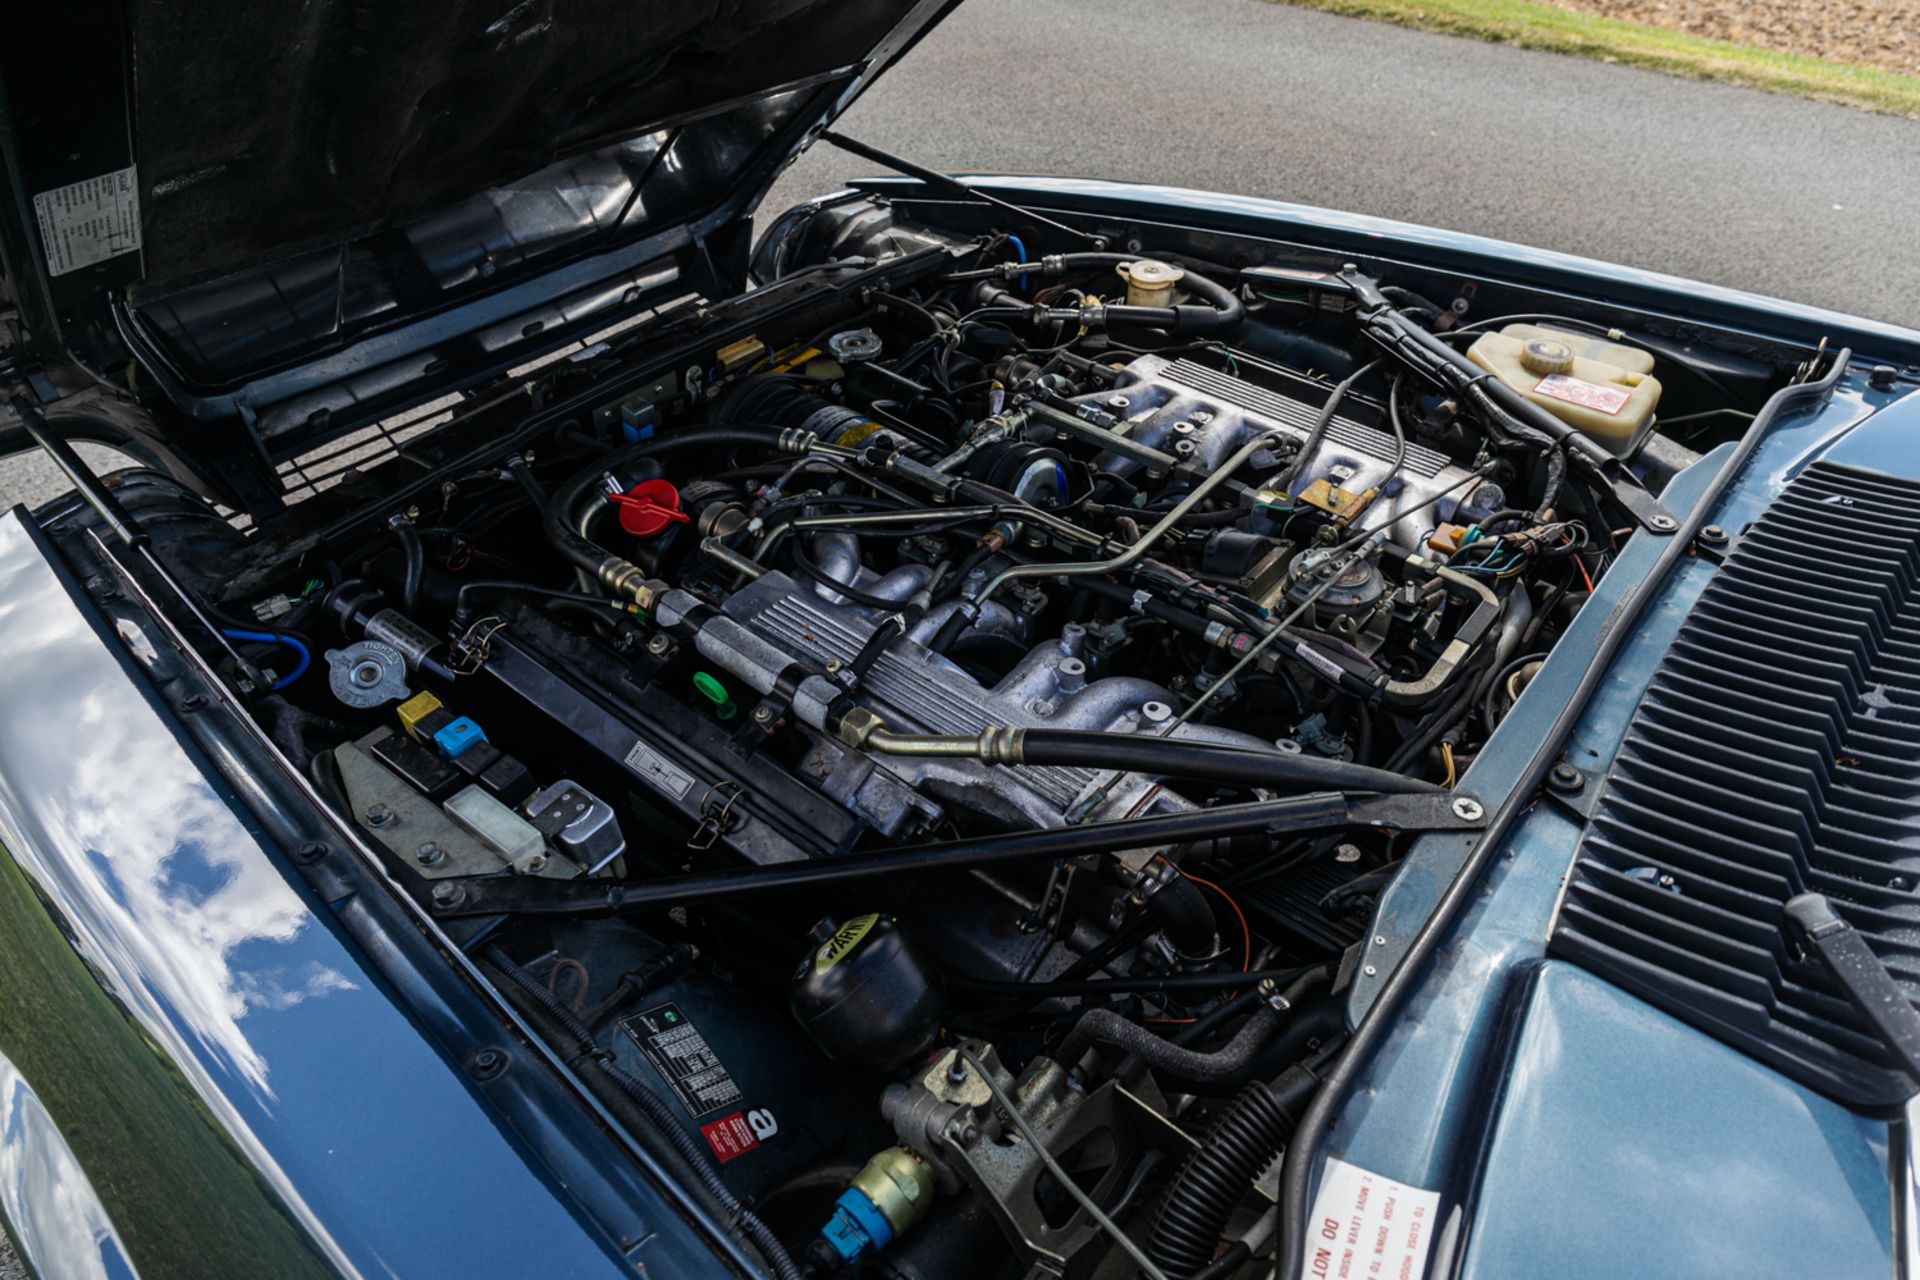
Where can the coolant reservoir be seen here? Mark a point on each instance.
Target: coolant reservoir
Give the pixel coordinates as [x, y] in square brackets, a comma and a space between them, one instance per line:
[1605, 389]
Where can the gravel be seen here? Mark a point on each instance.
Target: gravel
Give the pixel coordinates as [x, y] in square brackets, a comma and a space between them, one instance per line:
[1865, 33]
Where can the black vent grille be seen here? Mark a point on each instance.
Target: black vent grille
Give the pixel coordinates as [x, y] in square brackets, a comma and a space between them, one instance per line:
[1777, 751]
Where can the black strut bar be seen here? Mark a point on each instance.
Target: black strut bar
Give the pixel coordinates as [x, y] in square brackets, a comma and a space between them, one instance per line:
[1316, 811]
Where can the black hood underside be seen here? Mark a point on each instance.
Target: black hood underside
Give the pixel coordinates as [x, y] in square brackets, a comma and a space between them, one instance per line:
[270, 124]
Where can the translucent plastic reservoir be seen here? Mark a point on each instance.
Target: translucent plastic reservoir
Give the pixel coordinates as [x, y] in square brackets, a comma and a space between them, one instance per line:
[1605, 389]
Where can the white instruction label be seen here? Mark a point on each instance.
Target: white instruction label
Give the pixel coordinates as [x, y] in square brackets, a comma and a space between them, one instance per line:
[658, 770]
[89, 221]
[1368, 1227]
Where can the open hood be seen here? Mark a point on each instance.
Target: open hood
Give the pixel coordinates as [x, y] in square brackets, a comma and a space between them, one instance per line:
[302, 215]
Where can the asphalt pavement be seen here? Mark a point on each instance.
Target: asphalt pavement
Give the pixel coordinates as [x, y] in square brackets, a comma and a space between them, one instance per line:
[1781, 196]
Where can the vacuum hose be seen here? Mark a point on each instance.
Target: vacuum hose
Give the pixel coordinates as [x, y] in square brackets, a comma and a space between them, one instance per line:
[1219, 1174]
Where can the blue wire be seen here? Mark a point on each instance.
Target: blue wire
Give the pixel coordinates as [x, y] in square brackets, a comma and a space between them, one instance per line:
[1019, 244]
[274, 637]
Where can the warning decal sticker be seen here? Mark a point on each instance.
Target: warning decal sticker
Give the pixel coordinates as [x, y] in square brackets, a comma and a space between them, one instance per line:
[1368, 1227]
[89, 222]
[1591, 395]
[730, 1136]
[683, 1058]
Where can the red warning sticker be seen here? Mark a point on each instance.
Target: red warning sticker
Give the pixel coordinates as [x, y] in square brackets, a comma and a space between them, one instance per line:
[730, 1136]
[1591, 395]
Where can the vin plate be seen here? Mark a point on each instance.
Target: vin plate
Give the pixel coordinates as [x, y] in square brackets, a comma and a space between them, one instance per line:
[660, 771]
[683, 1058]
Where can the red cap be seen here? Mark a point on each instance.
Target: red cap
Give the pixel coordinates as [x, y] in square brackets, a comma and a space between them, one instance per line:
[649, 507]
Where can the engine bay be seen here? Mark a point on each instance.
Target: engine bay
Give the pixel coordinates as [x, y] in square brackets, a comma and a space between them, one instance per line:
[924, 738]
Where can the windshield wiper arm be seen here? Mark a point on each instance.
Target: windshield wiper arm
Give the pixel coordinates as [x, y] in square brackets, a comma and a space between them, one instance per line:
[947, 182]
[1863, 977]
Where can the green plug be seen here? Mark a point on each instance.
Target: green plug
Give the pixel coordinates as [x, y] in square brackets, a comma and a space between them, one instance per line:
[713, 691]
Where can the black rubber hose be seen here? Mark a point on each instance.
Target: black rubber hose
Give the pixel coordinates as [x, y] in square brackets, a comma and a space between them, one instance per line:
[656, 1112]
[414, 555]
[1207, 762]
[1185, 916]
[1104, 1026]
[1219, 1174]
[1321, 421]
[589, 556]
[1223, 310]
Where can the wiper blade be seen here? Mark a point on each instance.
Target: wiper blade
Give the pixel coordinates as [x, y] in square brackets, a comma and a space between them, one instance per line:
[1862, 976]
[946, 182]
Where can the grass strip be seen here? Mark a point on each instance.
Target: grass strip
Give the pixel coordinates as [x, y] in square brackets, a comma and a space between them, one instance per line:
[1537, 26]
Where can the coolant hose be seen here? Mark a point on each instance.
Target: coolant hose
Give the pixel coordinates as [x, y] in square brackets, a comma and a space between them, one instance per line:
[1219, 1174]
[655, 1110]
[612, 572]
[1220, 310]
[1206, 762]
[1104, 1026]
[414, 556]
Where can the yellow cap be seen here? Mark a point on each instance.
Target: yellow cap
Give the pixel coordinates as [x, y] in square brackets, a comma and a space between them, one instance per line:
[415, 709]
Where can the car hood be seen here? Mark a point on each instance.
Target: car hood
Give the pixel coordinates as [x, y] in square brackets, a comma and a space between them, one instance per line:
[237, 193]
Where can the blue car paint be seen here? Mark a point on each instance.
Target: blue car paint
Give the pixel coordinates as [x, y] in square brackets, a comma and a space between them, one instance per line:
[346, 1120]
[1597, 1152]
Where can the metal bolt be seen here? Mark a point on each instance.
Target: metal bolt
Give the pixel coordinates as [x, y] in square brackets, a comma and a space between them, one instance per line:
[1713, 536]
[379, 815]
[1663, 524]
[311, 851]
[1467, 809]
[429, 854]
[487, 1064]
[1118, 403]
[1370, 971]
[1200, 418]
[447, 895]
[833, 666]
[659, 645]
[193, 702]
[1341, 852]
[1183, 448]
[957, 1071]
[763, 715]
[1666, 882]
[1881, 379]
[1183, 428]
[1564, 777]
[1379, 939]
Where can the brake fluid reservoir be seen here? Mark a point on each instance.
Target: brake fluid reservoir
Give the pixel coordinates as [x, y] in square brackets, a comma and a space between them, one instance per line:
[1604, 389]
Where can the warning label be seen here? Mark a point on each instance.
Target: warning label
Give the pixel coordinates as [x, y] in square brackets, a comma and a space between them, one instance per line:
[1368, 1227]
[683, 1058]
[730, 1136]
[1591, 395]
[89, 222]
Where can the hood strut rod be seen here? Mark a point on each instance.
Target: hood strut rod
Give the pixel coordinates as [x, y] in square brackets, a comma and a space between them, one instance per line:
[947, 182]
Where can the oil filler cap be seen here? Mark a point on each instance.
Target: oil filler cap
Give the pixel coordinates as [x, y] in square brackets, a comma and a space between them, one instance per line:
[648, 508]
[1545, 355]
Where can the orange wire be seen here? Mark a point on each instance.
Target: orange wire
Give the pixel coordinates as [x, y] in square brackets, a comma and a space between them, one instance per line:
[1246, 934]
[1584, 575]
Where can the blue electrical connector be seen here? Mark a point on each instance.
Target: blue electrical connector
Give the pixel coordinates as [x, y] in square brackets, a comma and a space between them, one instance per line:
[456, 736]
[857, 1227]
